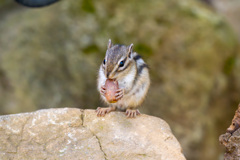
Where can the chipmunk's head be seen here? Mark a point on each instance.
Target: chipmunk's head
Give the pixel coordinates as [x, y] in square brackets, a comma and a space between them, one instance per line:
[118, 60]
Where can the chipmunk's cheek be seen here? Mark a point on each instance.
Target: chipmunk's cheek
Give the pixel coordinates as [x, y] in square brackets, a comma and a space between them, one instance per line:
[115, 76]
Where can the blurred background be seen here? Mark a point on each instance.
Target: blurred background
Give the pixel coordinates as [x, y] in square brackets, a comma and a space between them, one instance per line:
[49, 58]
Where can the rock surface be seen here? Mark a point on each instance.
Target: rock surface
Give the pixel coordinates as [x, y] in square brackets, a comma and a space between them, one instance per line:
[79, 134]
[232, 145]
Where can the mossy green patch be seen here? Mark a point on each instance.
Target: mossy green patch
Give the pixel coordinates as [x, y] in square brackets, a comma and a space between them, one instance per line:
[229, 65]
[144, 49]
[91, 49]
[88, 6]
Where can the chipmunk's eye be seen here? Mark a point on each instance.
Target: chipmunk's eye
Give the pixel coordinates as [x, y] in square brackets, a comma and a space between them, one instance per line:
[121, 64]
[104, 61]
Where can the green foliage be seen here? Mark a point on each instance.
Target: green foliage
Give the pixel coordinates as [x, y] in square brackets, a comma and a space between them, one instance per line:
[88, 6]
[229, 65]
[90, 49]
[143, 49]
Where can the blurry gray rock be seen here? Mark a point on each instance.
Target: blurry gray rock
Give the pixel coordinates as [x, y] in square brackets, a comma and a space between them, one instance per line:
[80, 134]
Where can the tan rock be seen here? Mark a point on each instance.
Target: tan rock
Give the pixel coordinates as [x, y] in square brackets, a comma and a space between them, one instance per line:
[80, 134]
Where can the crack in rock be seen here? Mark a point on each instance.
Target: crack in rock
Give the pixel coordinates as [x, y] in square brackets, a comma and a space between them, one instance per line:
[21, 134]
[82, 117]
[105, 155]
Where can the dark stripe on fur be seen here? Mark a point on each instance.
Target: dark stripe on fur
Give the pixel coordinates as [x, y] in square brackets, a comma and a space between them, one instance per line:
[139, 71]
[137, 57]
[141, 68]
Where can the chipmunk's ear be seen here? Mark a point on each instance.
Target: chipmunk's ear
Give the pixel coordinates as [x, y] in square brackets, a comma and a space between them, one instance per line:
[130, 50]
[109, 43]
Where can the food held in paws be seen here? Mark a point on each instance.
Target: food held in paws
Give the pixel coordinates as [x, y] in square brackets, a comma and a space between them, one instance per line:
[111, 88]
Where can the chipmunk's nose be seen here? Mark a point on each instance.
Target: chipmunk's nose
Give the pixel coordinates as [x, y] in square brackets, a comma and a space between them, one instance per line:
[108, 73]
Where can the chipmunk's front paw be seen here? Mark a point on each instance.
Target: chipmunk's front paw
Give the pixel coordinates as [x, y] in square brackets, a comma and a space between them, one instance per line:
[102, 111]
[132, 113]
[103, 90]
[119, 94]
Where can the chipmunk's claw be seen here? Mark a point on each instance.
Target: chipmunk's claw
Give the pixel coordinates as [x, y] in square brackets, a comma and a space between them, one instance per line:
[103, 90]
[132, 113]
[101, 112]
[119, 94]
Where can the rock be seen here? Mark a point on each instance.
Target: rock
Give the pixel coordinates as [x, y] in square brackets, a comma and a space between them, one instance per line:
[231, 139]
[79, 134]
[232, 145]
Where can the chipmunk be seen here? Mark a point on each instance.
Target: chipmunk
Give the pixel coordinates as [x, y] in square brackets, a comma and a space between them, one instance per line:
[131, 73]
